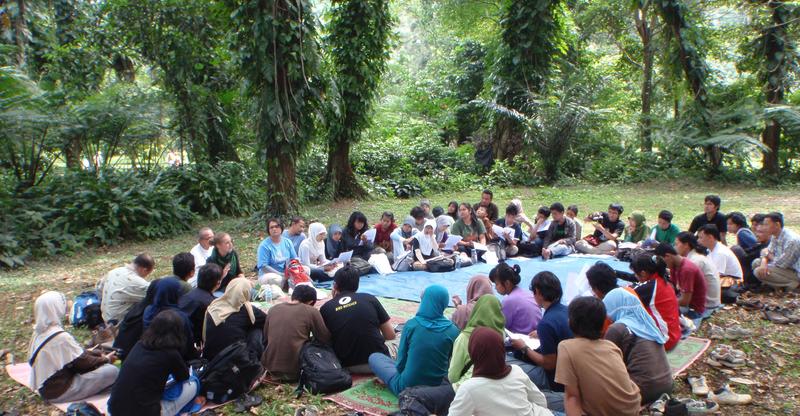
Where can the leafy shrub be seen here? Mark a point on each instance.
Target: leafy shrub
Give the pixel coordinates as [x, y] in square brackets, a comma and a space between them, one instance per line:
[78, 209]
[227, 188]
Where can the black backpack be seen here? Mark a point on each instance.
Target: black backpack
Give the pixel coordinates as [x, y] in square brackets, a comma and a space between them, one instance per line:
[320, 371]
[231, 373]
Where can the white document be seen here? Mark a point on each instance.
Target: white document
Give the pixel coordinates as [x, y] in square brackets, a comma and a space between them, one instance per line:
[451, 242]
[501, 232]
[343, 258]
[370, 234]
[577, 285]
[479, 246]
[627, 245]
[532, 343]
[381, 263]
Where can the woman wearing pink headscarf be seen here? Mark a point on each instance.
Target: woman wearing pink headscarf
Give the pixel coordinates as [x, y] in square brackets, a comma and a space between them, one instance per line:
[478, 286]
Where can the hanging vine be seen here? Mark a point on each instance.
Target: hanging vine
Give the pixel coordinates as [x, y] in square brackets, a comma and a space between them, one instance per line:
[358, 38]
[279, 57]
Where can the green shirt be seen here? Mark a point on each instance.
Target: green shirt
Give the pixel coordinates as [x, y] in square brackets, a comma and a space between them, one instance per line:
[475, 229]
[666, 236]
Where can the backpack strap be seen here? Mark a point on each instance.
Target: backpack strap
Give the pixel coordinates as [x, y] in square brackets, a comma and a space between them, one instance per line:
[39, 348]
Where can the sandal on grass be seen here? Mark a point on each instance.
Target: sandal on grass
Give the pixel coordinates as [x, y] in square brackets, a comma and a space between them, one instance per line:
[701, 407]
[750, 304]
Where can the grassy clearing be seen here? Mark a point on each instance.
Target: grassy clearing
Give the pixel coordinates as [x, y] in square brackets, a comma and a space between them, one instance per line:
[774, 350]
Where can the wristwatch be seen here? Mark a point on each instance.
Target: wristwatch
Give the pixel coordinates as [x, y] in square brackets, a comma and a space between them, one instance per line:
[525, 350]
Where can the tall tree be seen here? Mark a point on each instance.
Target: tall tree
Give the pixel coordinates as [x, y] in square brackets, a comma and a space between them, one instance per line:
[645, 23]
[358, 37]
[675, 15]
[187, 41]
[778, 55]
[279, 57]
[532, 39]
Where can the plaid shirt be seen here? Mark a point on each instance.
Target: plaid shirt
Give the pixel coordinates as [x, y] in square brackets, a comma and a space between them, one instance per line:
[785, 250]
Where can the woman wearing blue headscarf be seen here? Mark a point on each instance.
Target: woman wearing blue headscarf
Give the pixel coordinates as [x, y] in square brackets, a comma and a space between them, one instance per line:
[168, 291]
[425, 346]
[641, 343]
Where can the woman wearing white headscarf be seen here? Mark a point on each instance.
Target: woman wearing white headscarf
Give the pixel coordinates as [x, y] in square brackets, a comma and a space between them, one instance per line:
[443, 224]
[424, 245]
[312, 253]
[61, 370]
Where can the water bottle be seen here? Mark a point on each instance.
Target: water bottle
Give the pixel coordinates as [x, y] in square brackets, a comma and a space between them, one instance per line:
[474, 256]
[268, 294]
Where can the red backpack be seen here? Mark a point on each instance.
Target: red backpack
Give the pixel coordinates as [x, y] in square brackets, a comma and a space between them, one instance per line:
[295, 274]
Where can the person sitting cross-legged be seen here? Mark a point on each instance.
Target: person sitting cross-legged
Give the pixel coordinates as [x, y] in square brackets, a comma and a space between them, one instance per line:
[634, 332]
[124, 287]
[665, 231]
[540, 364]
[226, 257]
[295, 232]
[232, 318]
[61, 370]
[658, 296]
[195, 303]
[636, 231]
[608, 227]
[711, 215]
[779, 268]
[486, 314]
[139, 389]
[592, 369]
[723, 258]
[495, 387]
[288, 326]
[358, 323]
[312, 254]
[689, 279]
[201, 251]
[519, 307]
[561, 235]
[426, 343]
[686, 246]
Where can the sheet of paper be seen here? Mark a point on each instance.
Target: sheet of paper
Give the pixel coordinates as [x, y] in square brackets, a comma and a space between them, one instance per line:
[532, 343]
[370, 234]
[451, 242]
[344, 257]
[498, 231]
[479, 247]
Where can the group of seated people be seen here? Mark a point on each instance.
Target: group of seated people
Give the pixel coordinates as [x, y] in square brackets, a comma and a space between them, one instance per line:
[611, 361]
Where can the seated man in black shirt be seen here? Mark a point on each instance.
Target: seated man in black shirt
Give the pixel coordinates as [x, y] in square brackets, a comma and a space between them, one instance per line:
[358, 323]
[195, 303]
[607, 229]
[711, 215]
[513, 241]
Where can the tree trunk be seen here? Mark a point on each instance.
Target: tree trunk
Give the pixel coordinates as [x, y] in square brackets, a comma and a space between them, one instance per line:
[695, 72]
[20, 33]
[281, 190]
[72, 152]
[340, 173]
[644, 26]
[508, 139]
[775, 79]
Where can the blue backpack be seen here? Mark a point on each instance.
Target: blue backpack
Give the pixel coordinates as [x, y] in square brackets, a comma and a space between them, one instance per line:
[86, 311]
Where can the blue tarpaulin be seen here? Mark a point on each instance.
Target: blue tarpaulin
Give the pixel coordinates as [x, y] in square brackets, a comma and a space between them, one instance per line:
[409, 285]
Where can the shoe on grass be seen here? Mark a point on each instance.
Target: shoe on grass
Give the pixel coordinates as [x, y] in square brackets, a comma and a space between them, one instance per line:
[726, 396]
[699, 386]
[701, 407]
[736, 332]
[660, 405]
[773, 315]
[716, 332]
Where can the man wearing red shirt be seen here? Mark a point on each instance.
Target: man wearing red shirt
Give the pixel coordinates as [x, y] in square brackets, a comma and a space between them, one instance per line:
[688, 278]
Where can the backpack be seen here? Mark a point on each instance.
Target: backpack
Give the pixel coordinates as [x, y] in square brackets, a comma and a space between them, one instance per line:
[295, 273]
[231, 373]
[425, 400]
[320, 371]
[445, 264]
[86, 311]
[361, 266]
[82, 409]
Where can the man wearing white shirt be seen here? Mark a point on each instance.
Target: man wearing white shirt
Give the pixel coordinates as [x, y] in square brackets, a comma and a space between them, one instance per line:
[720, 255]
[201, 251]
[124, 287]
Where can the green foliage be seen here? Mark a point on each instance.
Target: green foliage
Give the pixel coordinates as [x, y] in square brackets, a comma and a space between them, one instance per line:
[227, 188]
[79, 209]
[279, 58]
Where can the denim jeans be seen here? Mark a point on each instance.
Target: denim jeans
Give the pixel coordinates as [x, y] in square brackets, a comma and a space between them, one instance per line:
[560, 250]
[384, 368]
[172, 407]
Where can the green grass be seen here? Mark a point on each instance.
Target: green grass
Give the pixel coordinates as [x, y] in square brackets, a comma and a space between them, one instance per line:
[685, 199]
